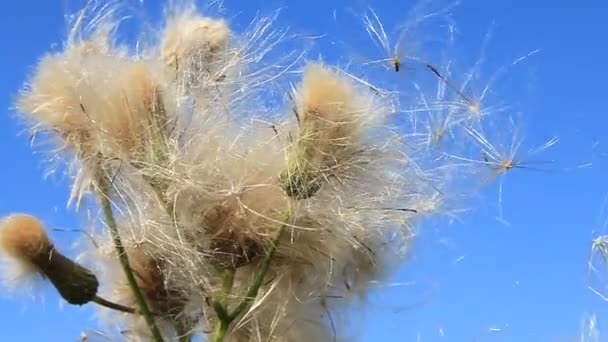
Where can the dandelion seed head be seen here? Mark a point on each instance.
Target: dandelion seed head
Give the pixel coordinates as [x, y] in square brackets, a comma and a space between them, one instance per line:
[189, 38]
[96, 104]
[475, 108]
[24, 238]
[205, 166]
[334, 114]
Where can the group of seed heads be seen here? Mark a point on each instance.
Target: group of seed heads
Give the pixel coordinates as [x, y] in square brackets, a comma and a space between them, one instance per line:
[319, 216]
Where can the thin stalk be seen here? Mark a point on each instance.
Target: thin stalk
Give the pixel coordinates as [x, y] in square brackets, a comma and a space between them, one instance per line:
[448, 83]
[220, 331]
[114, 306]
[253, 290]
[104, 197]
[225, 317]
[227, 283]
[159, 191]
[183, 332]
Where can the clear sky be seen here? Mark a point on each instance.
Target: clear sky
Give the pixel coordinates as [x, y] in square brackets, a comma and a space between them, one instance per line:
[528, 279]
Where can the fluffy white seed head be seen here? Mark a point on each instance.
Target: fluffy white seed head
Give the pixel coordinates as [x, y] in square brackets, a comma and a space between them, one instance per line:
[189, 39]
[203, 171]
[24, 238]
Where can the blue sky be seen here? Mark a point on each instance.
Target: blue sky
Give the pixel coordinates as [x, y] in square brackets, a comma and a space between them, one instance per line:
[528, 279]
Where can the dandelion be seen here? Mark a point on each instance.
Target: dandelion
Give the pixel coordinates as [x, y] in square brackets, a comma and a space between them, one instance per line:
[98, 104]
[195, 47]
[104, 108]
[23, 238]
[332, 115]
[226, 215]
[189, 38]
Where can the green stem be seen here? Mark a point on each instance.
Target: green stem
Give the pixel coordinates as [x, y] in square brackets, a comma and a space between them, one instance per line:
[183, 332]
[227, 282]
[220, 331]
[253, 290]
[159, 190]
[114, 306]
[104, 197]
[225, 318]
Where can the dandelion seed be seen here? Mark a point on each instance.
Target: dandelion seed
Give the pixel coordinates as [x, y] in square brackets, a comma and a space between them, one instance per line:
[376, 31]
[500, 158]
[394, 50]
[459, 259]
[600, 244]
[599, 294]
[584, 165]
[589, 329]
[473, 107]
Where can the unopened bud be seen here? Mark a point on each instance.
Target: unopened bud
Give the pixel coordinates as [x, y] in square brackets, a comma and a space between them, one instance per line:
[23, 237]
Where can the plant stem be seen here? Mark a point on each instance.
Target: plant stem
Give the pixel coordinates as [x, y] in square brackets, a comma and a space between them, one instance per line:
[114, 306]
[227, 282]
[158, 185]
[103, 192]
[225, 317]
[253, 290]
[183, 332]
[220, 331]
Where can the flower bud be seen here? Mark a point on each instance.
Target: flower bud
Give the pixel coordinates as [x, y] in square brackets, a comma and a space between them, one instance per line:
[23, 238]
